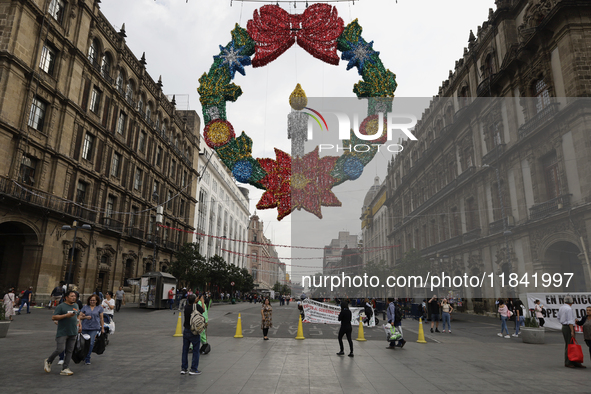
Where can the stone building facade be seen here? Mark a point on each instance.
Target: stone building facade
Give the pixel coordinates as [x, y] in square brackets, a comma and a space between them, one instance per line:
[374, 224]
[86, 136]
[222, 211]
[499, 180]
[262, 258]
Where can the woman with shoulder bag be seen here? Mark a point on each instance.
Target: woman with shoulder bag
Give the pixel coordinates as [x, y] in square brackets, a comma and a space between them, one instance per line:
[267, 315]
[9, 300]
[91, 317]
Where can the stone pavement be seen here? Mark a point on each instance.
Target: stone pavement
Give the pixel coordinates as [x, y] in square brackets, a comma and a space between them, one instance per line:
[144, 357]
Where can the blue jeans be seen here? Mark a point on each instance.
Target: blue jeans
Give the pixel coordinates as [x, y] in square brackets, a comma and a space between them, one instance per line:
[521, 323]
[188, 339]
[170, 304]
[92, 334]
[504, 325]
[23, 302]
[446, 319]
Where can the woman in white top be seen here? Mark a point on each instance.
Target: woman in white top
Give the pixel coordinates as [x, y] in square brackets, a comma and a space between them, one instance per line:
[109, 307]
[447, 309]
[538, 308]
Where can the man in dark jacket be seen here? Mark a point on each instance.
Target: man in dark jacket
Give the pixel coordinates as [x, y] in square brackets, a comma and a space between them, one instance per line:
[345, 318]
[190, 338]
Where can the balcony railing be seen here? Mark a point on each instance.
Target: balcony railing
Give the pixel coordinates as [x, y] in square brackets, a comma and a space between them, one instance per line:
[135, 232]
[498, 225]
[495, 153]
[546, 208]
[541, 117]
[471, 235]
[460, 112]
[113, 224]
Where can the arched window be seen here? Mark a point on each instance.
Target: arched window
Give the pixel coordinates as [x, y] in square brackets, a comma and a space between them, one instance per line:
[129, 90]
[542, 95]
[106, 66]
[176, 141]
[464, 97]
[140, 104]
[119, 82]
[93, 52]
[149, 111]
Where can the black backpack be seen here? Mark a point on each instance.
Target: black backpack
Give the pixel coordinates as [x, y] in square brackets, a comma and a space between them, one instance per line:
[397, 313]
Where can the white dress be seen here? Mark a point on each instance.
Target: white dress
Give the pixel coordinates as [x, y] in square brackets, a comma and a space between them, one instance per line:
[9, 304]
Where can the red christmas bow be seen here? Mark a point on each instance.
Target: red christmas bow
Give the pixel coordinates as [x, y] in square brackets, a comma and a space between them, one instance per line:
[274, 31]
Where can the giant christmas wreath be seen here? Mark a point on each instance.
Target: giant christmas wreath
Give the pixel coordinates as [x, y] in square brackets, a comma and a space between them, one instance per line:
[300, 182]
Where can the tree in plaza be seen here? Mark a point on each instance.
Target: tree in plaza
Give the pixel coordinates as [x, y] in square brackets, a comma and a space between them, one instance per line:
[218, 273]
[190, 266]
[285, 289]
[382, 271]
[412, 264]
[277, 287]
[246, 283]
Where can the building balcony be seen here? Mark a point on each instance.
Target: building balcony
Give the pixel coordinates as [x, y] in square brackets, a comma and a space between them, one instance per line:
[135, 232]
[449, 243]
[499, 225]
[113, 224]
[494, 154]
[545, 115]
[471, 235]
[460, 113]
[445, 131]
[544, 209]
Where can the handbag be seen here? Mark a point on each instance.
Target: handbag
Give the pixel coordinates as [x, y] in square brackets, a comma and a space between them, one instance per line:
[509, 314]
[575, 353]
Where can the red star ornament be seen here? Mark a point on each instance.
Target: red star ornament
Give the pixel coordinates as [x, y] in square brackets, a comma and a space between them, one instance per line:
[276, 183]
[311, 183]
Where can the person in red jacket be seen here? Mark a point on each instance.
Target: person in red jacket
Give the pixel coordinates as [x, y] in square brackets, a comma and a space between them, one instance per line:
[171, 298]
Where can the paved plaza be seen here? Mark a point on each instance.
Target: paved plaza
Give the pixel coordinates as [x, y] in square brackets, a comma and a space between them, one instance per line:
[144, 357]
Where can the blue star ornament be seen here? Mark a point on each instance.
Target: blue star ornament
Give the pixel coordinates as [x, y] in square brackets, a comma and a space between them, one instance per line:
[359, 53]
[233, 59]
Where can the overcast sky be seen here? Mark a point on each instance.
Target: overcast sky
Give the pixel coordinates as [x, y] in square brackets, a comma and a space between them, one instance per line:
[418, 40]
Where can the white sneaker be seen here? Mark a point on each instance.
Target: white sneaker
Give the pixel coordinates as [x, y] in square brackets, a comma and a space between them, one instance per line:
[60, 362]
[514, 335]
[66, 372]
[507, 336]
[443, 330]
[46, 366]
[449, 331]
[500, 334]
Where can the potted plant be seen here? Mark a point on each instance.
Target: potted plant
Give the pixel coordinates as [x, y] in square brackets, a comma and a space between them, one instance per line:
[4, 324]
[532, 332]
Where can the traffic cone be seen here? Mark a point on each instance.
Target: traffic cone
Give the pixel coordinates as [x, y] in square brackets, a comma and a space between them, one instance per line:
[179, 327]
[360, 336]
[300, 334]
[421, 333]
[239, 328]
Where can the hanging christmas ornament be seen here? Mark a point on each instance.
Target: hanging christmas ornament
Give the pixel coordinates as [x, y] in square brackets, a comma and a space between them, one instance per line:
[304, 181]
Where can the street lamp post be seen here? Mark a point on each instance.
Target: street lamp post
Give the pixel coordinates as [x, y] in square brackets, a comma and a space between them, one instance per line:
[74, 226]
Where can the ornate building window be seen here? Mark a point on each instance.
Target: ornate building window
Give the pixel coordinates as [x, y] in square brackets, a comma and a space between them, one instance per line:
[56, 10]
[81, 192]
[542, 95]
[48, 58]
[37, 114]
[95, 100]
[88, 147]
[93, 52]
[106, 66]
[28, 168]
[551, 175]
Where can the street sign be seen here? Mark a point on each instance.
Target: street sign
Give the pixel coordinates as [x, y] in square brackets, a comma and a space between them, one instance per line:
[231, 283]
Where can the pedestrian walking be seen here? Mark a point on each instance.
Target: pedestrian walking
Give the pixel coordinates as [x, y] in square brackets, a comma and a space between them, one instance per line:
[92, 321]
[368, 311]
[345, 318]
[446, 310]
[183, 302]
[8, 301]
[170, 298]
[56, 294]
[108, 305]
[267, 318]
[519, 310]
[539, 315]
[586, 323]
[119, 298]
[504, 312]
[26, 299]
[434, 311]
[566, 316]
[68, 325]
[190, 339]
[394, 315]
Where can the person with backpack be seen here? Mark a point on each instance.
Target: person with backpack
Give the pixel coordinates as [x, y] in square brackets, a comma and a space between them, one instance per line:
[193, 326]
